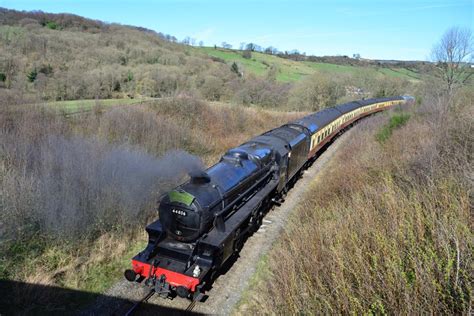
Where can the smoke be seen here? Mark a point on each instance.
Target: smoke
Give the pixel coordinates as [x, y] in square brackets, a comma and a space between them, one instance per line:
[86, 185]
[137, 175]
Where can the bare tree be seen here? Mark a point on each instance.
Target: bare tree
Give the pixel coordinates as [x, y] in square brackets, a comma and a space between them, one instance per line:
[453, 53]
[186, 40]
[271, 50]
[226, 45]
[250, 47]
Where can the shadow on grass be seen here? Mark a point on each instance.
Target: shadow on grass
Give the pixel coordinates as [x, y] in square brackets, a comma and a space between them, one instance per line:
[18, 298]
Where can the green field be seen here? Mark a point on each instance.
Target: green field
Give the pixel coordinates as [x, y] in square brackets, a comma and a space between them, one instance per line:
[289, 70]
[74, 106]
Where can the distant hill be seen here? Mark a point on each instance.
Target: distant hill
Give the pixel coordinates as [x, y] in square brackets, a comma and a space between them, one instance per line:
[57, 57]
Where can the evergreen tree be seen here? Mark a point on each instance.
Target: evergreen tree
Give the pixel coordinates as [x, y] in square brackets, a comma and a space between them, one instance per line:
[235, 69]
[32, 75]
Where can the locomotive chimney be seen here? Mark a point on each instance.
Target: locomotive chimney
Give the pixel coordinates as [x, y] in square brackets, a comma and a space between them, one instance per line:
[199, 177]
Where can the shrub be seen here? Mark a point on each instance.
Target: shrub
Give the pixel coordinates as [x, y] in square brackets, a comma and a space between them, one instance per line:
[213, 87]
[396, 121]
[32, 75]
[46, 69]
[235, 69]
[52, 25]
[315, 92]
[268, 94]
[388, 87]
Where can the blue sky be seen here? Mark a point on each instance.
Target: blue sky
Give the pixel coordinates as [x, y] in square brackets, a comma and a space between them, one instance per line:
[397, 29]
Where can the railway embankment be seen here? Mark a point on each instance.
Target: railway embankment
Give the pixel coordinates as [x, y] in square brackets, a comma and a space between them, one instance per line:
[386, 228]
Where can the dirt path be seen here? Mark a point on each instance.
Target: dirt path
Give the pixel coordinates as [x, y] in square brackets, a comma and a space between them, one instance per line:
[228, 288]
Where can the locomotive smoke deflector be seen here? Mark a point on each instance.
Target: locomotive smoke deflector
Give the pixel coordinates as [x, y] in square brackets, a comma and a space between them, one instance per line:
[180, 196]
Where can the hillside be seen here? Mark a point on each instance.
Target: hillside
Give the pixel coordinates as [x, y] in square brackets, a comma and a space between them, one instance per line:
[58, 57]
[288, 70]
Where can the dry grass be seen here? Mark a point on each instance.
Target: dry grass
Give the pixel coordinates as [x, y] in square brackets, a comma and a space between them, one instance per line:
[77, 191]
[388, 229]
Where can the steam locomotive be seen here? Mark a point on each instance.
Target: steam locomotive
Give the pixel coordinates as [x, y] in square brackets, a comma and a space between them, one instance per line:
[204, 222]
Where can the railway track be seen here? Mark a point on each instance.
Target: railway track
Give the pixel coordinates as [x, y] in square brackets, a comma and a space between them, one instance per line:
[190, 306]
[135, 308]
[137, 304]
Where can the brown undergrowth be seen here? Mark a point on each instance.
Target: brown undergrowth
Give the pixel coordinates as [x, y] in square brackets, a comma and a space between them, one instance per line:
[386, 230]
[78, 190]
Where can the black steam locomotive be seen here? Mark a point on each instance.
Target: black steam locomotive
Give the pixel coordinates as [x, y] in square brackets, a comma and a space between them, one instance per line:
[204, 221]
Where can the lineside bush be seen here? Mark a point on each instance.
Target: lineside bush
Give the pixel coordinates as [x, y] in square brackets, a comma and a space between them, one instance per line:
[395, 121]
